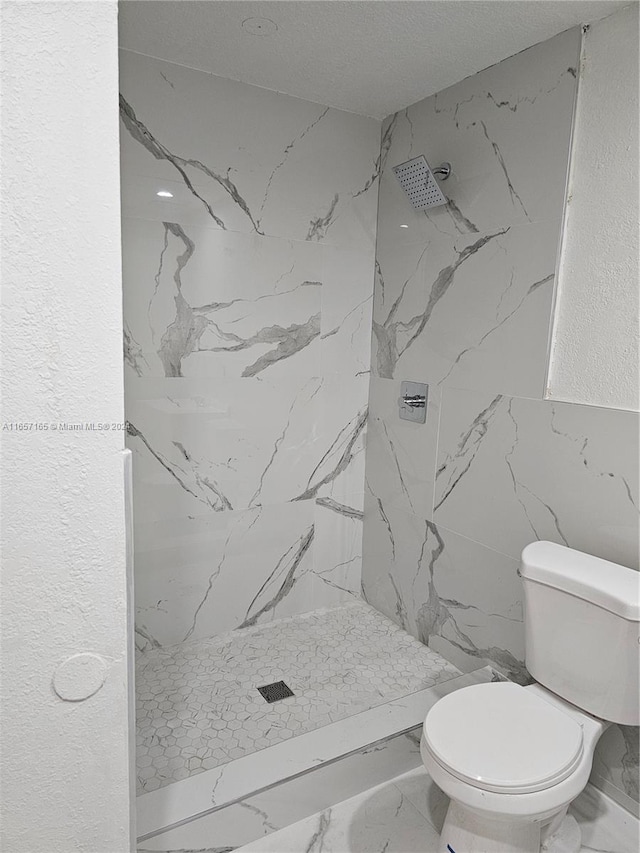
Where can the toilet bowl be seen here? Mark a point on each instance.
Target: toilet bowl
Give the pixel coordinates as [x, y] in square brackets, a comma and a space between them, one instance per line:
[511, 759]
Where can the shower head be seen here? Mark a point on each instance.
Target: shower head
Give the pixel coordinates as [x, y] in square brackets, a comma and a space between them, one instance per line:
[419, 183]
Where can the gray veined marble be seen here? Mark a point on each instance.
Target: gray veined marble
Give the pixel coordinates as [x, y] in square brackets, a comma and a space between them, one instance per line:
[201, 487]
[506, 131]
[300, 171]
[341, 509]
[455, 465]
[514, 470]
[463, 600]
[187, 572]
[396, 336]
[337, 558]
[279, 583]
[464, 292]
[383, 819]
[484, 323]
[200, 449]
[144, 136]
[515, 198]
[133, 354]
[337, 458]
[617, 761]
[291, 145]
[437, 617]
[222, 304]
[209, 327]
[198, 707]
[401, 455]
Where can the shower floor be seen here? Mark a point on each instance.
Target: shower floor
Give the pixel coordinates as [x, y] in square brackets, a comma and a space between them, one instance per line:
[198, 704]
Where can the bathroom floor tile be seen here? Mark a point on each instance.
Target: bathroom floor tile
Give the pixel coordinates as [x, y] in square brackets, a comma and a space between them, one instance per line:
[406, 813]
[380, 819]
[198, 704]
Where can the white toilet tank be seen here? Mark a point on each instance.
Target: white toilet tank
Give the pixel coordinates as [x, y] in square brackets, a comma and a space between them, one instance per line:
[582, 630]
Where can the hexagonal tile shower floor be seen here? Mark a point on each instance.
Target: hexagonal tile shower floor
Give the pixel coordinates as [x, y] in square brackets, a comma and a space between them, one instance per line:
[198, 705]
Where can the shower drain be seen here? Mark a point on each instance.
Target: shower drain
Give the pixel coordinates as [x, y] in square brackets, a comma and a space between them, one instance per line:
[275, 692]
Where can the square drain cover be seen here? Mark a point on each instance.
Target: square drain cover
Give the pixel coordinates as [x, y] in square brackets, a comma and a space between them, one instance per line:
[275, 692]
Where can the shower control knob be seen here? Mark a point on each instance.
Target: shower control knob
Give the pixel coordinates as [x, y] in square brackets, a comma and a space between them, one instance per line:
[416, 401]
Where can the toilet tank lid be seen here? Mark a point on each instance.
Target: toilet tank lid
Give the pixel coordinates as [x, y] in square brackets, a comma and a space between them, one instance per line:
[608, 585]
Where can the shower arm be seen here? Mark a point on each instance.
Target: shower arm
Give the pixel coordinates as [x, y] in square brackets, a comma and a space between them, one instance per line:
[442, 171]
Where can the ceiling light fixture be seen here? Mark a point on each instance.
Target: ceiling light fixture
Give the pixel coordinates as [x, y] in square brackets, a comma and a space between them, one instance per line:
[404, 226]
[164, 194]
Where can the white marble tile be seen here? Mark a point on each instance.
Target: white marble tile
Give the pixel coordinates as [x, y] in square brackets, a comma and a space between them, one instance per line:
[401, 455]
[242, 158]
[337, 552]
[461, 598]
[291, 801]
[243, 777]
[342, 421]
[201, 449]
[347, 304]
[616, 763]
[198, 703]
[247, 304]
[198, 577]
[506, 132]
[472, 310]
[511, 471]
[605, 826]
[380, 819]
[424, 794]
[201, 302]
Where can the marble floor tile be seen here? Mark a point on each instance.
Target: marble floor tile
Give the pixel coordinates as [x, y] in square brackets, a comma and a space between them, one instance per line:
[381, 819]
[198, 706]
[605, 826]
[406, 815]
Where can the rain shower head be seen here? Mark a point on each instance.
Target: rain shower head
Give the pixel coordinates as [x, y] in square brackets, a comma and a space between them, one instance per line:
[419, 183]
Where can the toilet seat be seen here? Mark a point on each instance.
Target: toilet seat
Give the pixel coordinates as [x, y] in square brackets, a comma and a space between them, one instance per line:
[501, 737]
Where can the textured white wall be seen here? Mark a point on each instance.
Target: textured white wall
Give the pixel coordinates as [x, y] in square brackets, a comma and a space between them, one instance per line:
[595, 344]
[65, 764]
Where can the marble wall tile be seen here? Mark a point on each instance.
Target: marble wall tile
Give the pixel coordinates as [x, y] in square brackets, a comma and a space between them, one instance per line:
[461, 598]
[337, 553]
[617, 761]
[472, 310]
[204, 576]
[201, 302]
[201, 448]
[342, 424]
[247, 315]
[506, 132]
[401, 455]
[347, 304]
[511, 471]
[241, 158]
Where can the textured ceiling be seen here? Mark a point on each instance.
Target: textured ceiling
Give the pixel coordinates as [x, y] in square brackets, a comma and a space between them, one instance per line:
[367, 56]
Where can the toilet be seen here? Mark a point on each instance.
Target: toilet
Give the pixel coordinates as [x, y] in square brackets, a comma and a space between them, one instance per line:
[511, 758]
